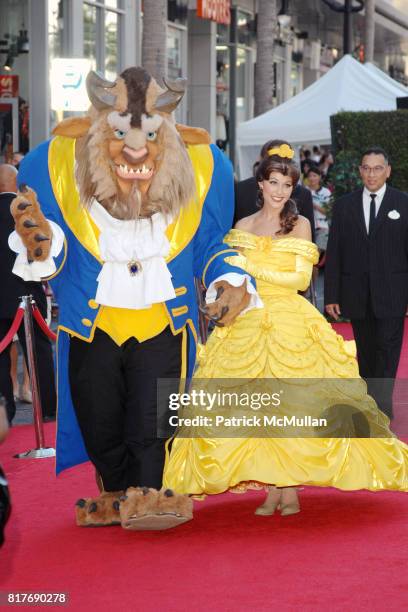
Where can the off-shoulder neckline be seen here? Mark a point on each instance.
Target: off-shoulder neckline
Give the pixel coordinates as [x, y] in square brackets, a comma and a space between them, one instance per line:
[263, 236]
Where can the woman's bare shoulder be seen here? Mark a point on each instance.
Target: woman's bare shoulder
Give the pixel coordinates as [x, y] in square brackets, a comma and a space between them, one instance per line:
[302, 228]
[246, 222]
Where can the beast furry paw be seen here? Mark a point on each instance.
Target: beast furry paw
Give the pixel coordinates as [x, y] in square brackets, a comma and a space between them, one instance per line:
[99, 511]
[143, 509]
[228, 305]
[31, 225]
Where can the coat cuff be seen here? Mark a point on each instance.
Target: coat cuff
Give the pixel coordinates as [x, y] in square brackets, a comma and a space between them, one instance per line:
[37, 270]
[236, 280]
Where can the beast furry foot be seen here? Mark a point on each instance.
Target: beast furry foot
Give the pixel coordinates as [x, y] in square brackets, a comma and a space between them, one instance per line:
[99, 511]
[143, 509]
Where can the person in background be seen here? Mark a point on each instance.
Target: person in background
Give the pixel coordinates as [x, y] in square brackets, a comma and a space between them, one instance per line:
[306, 160]
[326, 165]
[316, 155]
[12, 288]
[320, 196]
[17, 159]
[21, 392]
[246, 192]
[366, 273]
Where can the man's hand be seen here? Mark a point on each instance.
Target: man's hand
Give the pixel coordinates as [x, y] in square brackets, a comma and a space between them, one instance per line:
[31, 225]
[333, 310]
[229, 303]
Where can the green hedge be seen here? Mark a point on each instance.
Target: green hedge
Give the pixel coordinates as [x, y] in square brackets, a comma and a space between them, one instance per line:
[352, 133]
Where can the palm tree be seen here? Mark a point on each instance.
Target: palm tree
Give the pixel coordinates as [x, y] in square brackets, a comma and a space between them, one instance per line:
[264, 71]
[369, 30]
[154, 38]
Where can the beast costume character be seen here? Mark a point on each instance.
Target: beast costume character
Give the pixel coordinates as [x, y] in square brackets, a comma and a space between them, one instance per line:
[131, 208]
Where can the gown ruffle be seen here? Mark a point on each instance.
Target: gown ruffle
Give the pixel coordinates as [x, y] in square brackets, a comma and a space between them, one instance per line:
[287, 339]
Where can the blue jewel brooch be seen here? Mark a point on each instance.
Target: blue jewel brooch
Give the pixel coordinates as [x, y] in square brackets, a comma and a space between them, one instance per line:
[134, 266]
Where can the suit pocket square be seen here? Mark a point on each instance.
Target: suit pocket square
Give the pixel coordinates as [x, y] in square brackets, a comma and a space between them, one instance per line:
[394, 214]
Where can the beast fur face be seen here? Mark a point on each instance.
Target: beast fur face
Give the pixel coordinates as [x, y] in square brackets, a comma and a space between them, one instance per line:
[132, 158]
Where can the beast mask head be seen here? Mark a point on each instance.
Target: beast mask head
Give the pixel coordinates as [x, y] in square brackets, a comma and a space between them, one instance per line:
[130, 154]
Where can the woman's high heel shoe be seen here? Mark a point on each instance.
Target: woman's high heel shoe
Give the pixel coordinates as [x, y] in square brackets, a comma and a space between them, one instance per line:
[270, 504]
[289, 501]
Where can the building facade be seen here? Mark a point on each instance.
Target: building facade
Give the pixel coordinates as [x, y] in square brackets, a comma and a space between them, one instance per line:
[212, 42]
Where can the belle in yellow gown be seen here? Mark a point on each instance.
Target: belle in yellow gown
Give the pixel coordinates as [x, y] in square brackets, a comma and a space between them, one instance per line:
[288, 338]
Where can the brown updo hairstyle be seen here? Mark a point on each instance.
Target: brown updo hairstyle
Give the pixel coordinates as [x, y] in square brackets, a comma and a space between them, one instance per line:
[289, 214]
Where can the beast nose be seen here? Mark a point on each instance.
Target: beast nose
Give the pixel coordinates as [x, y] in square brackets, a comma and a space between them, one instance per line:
[135, 156]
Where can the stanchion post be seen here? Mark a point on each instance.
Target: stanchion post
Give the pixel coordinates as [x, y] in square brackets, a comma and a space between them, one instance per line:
[33, 370]
[40, 451]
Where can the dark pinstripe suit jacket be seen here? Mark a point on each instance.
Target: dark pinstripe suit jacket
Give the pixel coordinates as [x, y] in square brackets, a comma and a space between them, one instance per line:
[361, 267]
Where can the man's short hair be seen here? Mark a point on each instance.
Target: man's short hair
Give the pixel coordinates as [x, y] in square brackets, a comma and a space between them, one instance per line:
[375, 150]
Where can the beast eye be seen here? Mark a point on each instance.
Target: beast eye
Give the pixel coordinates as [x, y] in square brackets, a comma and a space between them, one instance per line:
[119, 134]
[151, 136]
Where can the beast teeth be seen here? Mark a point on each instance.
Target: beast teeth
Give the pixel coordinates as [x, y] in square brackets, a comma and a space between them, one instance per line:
[142, 170]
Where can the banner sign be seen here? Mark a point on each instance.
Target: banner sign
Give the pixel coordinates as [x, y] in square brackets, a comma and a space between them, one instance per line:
[216, 10]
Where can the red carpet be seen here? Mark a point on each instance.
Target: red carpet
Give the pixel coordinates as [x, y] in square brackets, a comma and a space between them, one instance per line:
[344, 550]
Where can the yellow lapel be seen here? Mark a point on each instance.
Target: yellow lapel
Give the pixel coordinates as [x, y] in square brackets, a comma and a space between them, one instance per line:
[182, 230]
[61, 163]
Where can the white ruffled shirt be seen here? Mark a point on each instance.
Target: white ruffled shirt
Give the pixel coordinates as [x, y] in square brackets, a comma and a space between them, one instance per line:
[142, 241]
[122, 242]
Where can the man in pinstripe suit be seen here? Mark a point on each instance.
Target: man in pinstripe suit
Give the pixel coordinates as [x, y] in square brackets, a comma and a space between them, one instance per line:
[366, 274]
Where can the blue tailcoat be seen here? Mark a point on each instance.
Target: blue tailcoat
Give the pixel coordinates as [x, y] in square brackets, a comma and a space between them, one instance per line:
[75, 284]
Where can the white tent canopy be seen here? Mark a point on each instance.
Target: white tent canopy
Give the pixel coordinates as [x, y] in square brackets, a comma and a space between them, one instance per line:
[305, 118]
[386, 77]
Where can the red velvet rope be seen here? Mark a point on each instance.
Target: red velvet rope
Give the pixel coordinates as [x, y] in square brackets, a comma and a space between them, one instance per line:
[13, 329]
[43, 325]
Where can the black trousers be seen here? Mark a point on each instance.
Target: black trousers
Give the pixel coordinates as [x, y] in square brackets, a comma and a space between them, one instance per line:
[114, 391]
[379, 343]
[45, 364]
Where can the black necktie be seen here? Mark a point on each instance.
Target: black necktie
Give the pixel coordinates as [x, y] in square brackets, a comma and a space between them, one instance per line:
[372, 213]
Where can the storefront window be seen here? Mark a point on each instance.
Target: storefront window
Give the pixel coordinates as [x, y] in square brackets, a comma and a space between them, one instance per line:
[177, 11]
[55, 22]
[222, 100]
[245, 32]
[243, 76]
[222, 86]
[102, 23]
[90, 32]
[174, 59]
[14, 78]
[111, 56]
[176, 62]
[243, 93]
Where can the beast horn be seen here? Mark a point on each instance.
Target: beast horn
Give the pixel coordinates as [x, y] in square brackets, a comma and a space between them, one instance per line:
[96, 87]
[168, 101]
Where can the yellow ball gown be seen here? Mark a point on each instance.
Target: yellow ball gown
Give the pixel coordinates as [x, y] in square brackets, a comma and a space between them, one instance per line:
[286, 339]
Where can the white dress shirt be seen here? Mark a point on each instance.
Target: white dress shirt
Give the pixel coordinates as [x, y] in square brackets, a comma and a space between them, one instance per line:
[121, 242]
[367, 202]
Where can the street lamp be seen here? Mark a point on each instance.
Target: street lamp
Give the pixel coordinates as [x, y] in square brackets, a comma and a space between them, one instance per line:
[347, 7]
